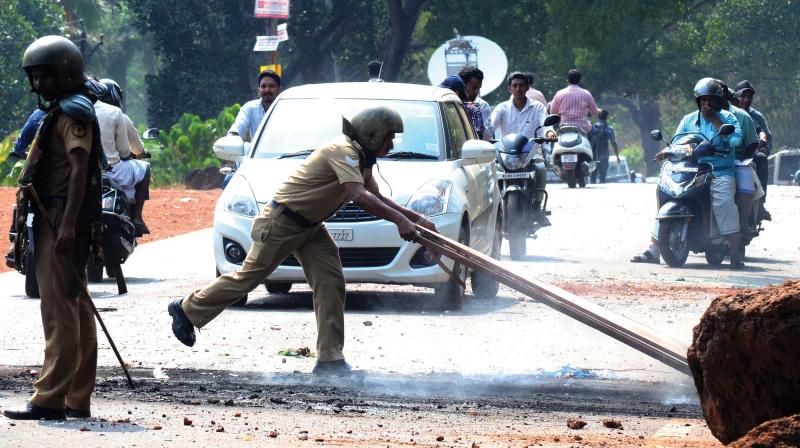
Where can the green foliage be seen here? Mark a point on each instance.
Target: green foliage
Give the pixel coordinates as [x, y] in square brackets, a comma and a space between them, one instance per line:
[21, 22]
[9, 168]
[634, 155]
[188, 146]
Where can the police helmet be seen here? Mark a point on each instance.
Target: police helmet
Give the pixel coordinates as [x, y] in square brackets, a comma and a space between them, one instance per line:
[62, 56]
[371, 126]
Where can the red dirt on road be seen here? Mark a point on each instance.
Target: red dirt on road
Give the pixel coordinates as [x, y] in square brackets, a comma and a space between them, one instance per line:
[169, 212]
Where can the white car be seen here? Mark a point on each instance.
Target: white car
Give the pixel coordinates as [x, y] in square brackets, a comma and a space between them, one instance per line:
[438, 167]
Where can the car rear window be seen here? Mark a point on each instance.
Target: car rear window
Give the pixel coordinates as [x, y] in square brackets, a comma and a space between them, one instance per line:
[299, 124]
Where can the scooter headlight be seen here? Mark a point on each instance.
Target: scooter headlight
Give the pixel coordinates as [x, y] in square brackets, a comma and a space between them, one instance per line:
[431, 199]
[238, 198]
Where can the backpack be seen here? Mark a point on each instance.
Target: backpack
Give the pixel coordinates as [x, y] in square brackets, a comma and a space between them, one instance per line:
[598, 136]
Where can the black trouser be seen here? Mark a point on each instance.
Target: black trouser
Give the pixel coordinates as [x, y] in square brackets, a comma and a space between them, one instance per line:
[762, 171]
[601, 168]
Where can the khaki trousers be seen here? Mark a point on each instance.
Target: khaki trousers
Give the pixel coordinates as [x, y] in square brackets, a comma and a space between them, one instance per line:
[70, 354]
[275, 237]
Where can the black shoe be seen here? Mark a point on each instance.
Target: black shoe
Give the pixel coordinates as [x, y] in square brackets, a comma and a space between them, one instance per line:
[75, 413]
[182, 327]
[33, 412]
[737, 264]
[332, 368]
[141, 228]
[763, 214]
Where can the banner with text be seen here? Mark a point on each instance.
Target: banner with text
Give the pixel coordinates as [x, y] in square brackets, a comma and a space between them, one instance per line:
[272, 9]
[266, 43]
[283, 34]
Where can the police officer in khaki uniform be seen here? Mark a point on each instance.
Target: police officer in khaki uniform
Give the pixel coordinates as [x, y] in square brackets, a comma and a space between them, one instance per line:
[293, 224]
[59, 167]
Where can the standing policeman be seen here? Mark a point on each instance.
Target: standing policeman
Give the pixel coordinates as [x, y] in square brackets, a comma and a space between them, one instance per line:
[293, 224]
[64, 168]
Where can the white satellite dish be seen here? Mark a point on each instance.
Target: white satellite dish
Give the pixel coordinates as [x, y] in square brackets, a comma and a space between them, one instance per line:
[452, 55]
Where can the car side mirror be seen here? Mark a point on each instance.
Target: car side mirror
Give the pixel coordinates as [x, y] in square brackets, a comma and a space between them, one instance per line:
[726, 129]
[151, 134]
[480, 150]
[656, 135]
[552, 120]
[230, 147]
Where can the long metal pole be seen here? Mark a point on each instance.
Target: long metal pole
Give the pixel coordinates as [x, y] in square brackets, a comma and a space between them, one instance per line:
[31, 191]
[631, 333]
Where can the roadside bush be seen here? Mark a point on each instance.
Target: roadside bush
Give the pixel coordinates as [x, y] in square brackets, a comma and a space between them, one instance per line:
[9, 172]
[635, 157]
[187, 146]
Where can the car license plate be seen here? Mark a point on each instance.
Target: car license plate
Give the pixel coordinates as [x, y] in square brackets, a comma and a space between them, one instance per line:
[513, 175]
[569, 158]
[341, 234]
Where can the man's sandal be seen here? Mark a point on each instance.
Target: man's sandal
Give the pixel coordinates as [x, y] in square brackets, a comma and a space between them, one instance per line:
[645, 257]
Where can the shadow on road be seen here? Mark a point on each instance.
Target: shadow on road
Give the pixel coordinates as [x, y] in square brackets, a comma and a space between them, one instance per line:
[380, 301]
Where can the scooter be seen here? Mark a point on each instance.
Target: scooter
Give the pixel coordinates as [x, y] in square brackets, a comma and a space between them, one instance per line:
[572, 156]
[515, 180]
[685, 220]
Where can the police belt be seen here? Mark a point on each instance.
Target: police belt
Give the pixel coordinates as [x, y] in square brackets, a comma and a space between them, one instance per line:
[293, 215]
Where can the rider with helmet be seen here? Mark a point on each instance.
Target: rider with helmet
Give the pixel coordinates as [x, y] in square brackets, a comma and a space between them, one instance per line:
[64, 167]
[122, 145]
[707, 120]
[293, 223]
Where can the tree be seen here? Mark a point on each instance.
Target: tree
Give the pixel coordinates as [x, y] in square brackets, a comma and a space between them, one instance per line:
[21, 22]
[403, 17]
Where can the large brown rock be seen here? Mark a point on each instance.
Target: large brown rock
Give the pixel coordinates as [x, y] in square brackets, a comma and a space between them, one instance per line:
[207, 178]
[780, 433]
[745, 358]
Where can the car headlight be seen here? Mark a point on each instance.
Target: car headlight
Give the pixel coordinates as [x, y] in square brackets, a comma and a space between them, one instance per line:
[431, 199]
[238, 198]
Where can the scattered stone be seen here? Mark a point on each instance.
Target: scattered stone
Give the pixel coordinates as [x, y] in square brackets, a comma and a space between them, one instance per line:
[254, 396]
[85, 428]
[273, 434]
[439, 438]
[229, 402]
[475, 445]
[277, 400]
[742, 358]
[303, 437]
[156, 427]
[611, 423]
[367, 323]
[319, 439]
[578, 438]
[221, 429]
[782, 432]
[213, 400]
[575, 423]
[187, 421]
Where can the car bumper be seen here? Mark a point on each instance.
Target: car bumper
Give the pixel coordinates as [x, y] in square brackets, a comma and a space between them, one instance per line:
[365, 235]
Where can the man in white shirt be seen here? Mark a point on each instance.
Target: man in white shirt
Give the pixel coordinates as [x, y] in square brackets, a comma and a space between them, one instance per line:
[521, 116]
[252, 112]
[121, 145]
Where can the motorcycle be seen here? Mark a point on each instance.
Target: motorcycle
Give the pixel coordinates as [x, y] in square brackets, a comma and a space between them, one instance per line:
[685, 219]
[515, 180]
[572, 156]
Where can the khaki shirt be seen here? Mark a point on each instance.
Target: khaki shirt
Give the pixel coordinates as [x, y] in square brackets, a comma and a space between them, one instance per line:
[315, 190]
[53, 170]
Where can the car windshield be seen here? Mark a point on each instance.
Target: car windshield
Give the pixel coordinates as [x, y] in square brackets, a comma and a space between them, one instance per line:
[297, 125]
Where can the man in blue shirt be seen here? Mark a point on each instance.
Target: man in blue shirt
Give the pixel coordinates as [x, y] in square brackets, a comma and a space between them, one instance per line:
[707, 121]
[743, 98]
[251, 114]
[27, 134]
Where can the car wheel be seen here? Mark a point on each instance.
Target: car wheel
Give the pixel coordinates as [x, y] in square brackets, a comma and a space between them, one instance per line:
[241, 301]
[483, 285]
[94, 271]
[31, 283]
[569, 176]
[278, 287]
[450, 295]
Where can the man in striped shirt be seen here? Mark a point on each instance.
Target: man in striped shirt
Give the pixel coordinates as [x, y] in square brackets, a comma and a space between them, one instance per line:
[574, 104]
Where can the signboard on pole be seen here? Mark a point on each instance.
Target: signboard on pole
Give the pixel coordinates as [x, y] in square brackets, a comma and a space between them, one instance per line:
[277, 68]
[266, 43]
[283, 35]
[272, 9]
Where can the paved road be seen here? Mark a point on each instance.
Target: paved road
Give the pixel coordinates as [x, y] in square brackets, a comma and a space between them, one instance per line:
[391, 329]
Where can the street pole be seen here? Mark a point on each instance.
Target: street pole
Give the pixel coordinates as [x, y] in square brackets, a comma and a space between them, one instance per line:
[272, 30]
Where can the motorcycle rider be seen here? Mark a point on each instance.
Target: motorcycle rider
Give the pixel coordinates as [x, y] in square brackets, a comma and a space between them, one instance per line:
[574, 103]
[743, 98]
[707, 120]
[521, 116]
[125, 167]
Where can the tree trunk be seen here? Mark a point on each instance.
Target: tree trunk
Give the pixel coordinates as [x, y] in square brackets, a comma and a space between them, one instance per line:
[403, 19]
[647, 116]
